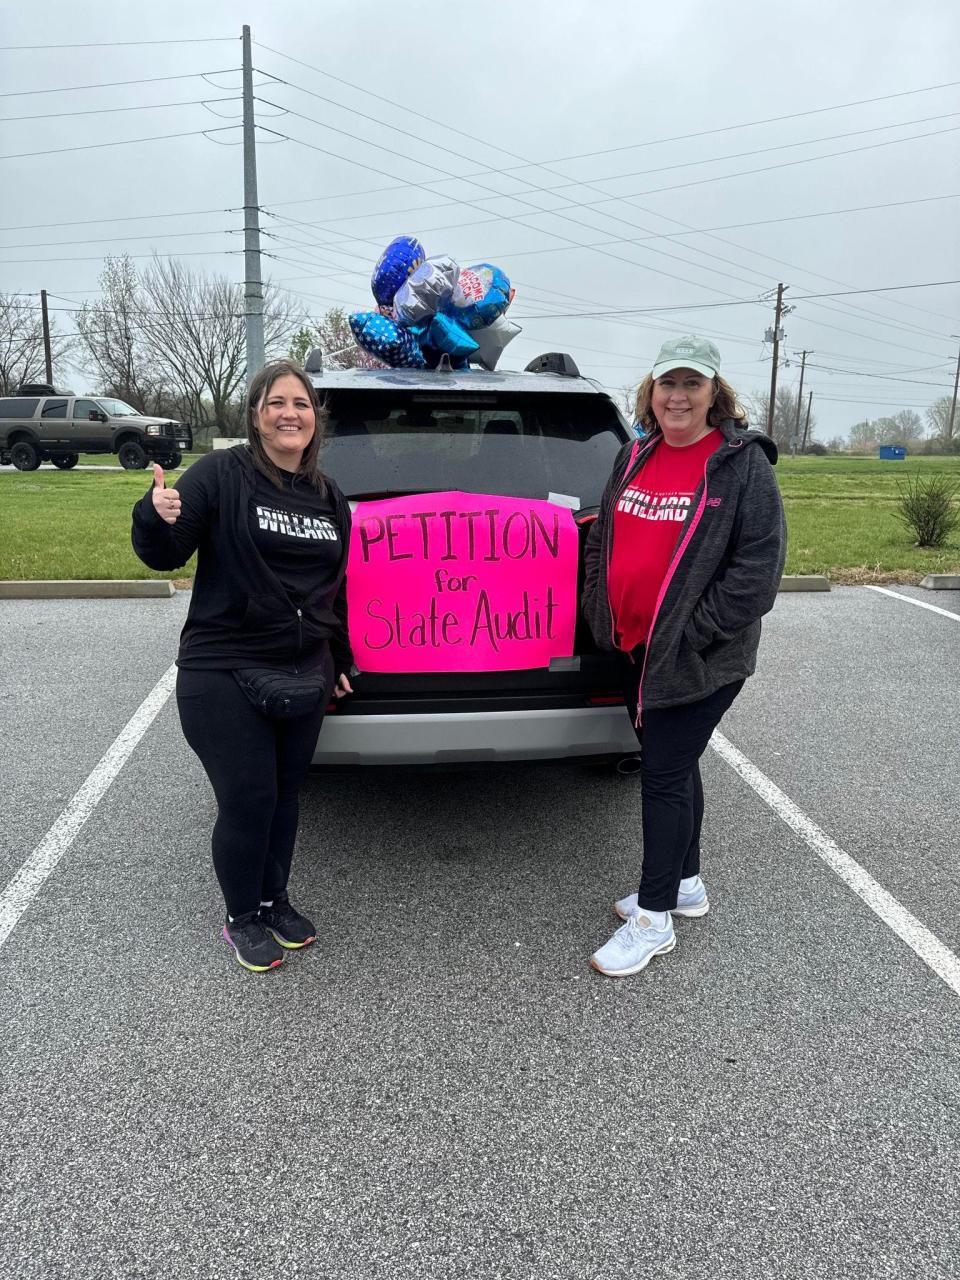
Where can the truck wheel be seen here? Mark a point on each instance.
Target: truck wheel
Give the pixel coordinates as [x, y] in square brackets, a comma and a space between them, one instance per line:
[66, 460]
[132, 456]
[24, 456]
[171, 460]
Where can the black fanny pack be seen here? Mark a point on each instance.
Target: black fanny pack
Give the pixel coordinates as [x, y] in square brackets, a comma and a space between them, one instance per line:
[280, 695]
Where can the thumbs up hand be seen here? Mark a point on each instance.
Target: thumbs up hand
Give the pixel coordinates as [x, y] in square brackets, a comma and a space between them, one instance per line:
[166, 501]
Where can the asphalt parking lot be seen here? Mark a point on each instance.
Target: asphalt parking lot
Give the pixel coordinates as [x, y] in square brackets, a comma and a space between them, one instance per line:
[441, 1087]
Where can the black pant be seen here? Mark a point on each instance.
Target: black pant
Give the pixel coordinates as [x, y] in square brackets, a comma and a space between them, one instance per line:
[256, 767]
[672, 740]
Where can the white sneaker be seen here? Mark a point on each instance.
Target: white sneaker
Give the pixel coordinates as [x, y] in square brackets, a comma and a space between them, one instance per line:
[633, 946]
[694, 903]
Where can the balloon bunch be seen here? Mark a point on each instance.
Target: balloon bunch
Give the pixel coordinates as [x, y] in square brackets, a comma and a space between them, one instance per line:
[430, 307]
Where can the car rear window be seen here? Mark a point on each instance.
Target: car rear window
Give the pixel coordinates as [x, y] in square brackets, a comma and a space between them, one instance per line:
[519, 445]
[17, 407]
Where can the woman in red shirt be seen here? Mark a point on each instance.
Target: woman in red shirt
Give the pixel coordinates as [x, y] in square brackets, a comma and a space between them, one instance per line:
[683, 560]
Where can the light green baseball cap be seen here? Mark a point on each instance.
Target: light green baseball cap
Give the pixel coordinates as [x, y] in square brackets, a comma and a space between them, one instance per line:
[688, 353]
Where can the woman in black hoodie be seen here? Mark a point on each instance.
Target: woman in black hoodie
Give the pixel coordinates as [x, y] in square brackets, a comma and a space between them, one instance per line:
[271, 534]
[682, 562]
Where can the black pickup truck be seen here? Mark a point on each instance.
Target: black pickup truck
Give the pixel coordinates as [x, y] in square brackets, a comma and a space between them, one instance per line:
[41, 424]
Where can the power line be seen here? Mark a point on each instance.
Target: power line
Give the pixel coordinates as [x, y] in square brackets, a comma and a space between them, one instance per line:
[607, 199]
[618, 199]
[749, 124]
[113, 84]
[102, 111]
[96, 257]
[125, 142]
[560, 213]
[133, 217]
[574, 244]
[169, 235]
[539, 164]
[115, 44]
[580, 182]
[739, 302]
[665, 235]
[542, 165]
[885, 376]
[638, 240]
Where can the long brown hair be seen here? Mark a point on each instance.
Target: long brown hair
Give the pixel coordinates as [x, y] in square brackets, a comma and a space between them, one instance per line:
[725, 404]
[309, 468]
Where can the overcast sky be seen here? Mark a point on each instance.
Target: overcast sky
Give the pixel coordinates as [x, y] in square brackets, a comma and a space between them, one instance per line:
[590, 99]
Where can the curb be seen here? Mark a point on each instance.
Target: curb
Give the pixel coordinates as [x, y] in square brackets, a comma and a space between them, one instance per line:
[89, 589]
[805, 582]
[941, 582]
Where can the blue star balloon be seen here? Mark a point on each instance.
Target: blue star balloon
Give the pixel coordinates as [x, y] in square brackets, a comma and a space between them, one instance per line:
[386, 341]
[401, 257]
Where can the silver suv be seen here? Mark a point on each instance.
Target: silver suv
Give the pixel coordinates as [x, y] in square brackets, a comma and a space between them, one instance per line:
[41, 425]
[544, 434]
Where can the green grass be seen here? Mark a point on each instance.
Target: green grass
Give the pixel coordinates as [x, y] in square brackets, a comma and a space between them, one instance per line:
[840, 516]
[72, 524]
[841, 519]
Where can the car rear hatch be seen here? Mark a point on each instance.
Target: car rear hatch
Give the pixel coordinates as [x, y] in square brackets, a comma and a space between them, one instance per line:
[556, 446]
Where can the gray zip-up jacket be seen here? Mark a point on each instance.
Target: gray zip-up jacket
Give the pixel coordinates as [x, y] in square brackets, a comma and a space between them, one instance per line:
[724, 574]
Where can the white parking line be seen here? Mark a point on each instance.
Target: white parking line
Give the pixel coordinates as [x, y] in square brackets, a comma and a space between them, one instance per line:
[921, 604]
[918, 937]
[28, 881]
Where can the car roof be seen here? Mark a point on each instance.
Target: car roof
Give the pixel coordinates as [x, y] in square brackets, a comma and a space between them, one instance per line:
[439, 381]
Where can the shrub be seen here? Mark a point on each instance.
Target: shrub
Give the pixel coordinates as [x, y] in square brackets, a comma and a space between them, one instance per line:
[926, 508]
[816, 450]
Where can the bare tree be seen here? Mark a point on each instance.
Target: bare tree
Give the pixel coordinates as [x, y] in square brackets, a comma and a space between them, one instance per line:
[195, 334]
[938, 417]
[627, 400]
[863, 434]
[332, 334]
[21, 342]
[904, 427]
[784, 416]
[114, 332]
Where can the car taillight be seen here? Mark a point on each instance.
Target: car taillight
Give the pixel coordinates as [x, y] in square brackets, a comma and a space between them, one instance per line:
[612, 700]
[583, 521]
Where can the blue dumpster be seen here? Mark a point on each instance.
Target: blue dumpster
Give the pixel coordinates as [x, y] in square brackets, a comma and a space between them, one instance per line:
[892, 452]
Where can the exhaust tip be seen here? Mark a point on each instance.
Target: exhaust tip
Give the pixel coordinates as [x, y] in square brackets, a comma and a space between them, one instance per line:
[628, 765]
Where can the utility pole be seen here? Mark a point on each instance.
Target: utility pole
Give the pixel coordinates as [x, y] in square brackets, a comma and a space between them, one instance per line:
[806, 425]
[46, 336]
[253, 283]
[796, 423]
[776, 357]
[953, 405]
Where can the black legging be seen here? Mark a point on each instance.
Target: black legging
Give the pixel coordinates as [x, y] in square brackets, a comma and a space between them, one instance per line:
[256, 767]
[672, 740]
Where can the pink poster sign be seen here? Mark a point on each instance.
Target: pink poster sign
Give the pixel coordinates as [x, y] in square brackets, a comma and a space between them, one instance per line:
[461, 582]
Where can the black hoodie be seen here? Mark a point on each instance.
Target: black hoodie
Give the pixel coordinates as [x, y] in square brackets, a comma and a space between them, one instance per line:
[724, 574]
[240, 615]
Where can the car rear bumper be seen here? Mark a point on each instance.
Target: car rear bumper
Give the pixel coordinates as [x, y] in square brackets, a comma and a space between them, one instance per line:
[475, 737]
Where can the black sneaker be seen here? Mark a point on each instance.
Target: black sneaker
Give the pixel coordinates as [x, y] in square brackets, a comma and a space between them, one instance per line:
[252, 945]
[288, 926]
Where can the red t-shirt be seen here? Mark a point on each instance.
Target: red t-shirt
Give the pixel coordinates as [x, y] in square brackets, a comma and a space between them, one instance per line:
[646, 527]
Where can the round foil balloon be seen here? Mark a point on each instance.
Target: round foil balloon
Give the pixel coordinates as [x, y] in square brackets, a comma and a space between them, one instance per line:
[482, 294]
[401, 257]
